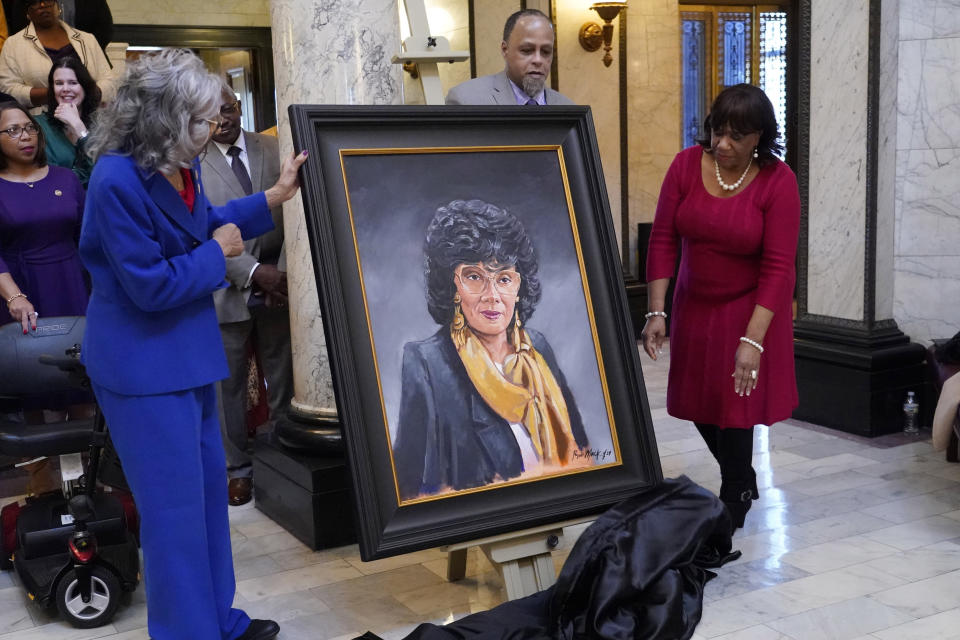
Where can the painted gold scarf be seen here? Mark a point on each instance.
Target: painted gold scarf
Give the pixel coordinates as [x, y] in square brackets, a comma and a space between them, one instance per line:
[525, 393]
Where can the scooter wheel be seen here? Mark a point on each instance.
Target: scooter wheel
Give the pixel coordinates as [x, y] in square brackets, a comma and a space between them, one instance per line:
[104, 600]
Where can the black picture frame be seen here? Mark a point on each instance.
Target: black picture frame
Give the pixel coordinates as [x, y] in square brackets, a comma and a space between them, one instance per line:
[389, 524]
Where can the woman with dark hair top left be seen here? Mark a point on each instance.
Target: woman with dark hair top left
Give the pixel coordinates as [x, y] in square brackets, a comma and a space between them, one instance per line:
[483, 400]
[72, 97]
[40, 213]
[41, 207]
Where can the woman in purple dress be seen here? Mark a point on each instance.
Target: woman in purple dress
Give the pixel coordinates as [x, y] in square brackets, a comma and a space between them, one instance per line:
[40, 271]
[40, 211]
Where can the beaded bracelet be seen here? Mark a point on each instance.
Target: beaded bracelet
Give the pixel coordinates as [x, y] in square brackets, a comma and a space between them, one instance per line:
[651, 314]
[15, 296]
[752, 343]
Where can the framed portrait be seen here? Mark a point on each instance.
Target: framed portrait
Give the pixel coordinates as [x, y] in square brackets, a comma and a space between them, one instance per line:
[486, 372]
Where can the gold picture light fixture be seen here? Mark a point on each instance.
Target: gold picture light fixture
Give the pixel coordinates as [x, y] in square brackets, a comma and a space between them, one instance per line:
[592, 35]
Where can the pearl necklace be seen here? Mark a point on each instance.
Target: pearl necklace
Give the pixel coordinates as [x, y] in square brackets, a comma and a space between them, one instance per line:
[735, 185]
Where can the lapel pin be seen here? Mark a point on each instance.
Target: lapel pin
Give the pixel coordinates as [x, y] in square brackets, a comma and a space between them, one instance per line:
[57, 192]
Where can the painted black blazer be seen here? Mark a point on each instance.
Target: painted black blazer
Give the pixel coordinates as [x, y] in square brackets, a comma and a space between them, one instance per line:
[448, 437]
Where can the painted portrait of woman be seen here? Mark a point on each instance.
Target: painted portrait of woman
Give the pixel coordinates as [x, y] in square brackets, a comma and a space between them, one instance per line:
[483, 400]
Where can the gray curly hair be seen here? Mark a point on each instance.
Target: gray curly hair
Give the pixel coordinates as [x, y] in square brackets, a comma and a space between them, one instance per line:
[159, 116]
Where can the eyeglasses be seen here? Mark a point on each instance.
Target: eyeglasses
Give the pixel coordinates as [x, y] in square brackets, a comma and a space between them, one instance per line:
[215, 124]
[474, 280]
[16, 130]
[230, 109]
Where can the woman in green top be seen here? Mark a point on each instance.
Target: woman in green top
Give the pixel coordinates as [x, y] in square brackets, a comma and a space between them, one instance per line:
[72, 97]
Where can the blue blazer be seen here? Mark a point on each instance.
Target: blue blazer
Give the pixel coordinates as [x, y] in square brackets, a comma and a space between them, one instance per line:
[448, 437]
[151, 323]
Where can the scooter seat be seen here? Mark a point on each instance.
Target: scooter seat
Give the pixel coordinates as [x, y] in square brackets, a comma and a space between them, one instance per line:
[29, 440]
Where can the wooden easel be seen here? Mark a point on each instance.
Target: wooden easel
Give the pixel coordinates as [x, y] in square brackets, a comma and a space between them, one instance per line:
[523, 558]
[425, 51]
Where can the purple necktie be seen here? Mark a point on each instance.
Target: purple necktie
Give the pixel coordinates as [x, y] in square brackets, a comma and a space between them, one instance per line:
[239, 170]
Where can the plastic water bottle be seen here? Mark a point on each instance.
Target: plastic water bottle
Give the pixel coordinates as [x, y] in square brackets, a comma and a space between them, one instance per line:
[911, 418]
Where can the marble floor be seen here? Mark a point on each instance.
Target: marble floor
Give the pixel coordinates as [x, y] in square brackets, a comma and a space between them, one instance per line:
[852, 539]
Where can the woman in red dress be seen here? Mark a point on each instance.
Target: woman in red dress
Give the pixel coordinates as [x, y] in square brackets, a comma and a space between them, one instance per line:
[732, 208]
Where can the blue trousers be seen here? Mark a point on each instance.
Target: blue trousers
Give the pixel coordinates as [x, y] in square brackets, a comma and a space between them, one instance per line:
[172, 454]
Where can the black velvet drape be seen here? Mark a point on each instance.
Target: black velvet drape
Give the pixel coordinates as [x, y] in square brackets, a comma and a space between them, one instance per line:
[633, 574]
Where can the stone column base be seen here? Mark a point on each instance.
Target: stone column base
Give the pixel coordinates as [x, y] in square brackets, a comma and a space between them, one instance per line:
[307, 494]
[310, 431]
[856, 379]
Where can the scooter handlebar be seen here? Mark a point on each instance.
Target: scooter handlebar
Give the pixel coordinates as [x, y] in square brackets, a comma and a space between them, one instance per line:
[68, 364]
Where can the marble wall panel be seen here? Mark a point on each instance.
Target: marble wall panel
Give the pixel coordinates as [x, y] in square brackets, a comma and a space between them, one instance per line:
[224, 13]
[924, 19]
[584, 79]
[929, 88]
[653, 113]
[898, 199]
[887, 159]
[927, 256]
[654, 87]
[930, 203]
[488, 19]
[454, 23]
[837, 195]
[927, 292]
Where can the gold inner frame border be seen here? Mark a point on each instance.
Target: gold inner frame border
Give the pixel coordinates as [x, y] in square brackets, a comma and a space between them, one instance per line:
[343, 153]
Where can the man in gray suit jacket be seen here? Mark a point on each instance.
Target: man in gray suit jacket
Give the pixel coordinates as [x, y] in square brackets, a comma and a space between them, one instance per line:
[527, 48]
[253, 307]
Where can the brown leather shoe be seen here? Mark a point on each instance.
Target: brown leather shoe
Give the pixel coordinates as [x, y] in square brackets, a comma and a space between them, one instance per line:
[240, 490]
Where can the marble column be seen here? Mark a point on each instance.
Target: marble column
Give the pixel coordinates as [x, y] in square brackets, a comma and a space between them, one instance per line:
[854, 365]
[324, 52]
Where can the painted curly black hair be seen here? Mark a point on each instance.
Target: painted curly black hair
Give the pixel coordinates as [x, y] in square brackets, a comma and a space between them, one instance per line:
[471, 231]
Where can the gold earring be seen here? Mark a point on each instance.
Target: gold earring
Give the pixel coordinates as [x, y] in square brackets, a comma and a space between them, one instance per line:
[458, 321]
[516, 327]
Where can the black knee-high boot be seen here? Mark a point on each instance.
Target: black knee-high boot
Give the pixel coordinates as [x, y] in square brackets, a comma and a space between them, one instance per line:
[738, 486]
[709, 434]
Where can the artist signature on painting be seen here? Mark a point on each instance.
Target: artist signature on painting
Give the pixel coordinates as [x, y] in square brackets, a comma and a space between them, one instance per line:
[597, 454]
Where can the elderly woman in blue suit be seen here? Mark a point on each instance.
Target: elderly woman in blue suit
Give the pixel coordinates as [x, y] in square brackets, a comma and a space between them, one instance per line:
[155, 249]
[483, 400]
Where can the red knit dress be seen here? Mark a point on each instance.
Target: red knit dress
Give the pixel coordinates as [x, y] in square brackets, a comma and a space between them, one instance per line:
[737, 252]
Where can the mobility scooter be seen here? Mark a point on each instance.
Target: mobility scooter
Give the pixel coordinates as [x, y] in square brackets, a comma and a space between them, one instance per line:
[75, 549]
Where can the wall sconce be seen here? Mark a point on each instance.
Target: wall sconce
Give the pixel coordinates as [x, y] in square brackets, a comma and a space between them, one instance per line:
[592, 35]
